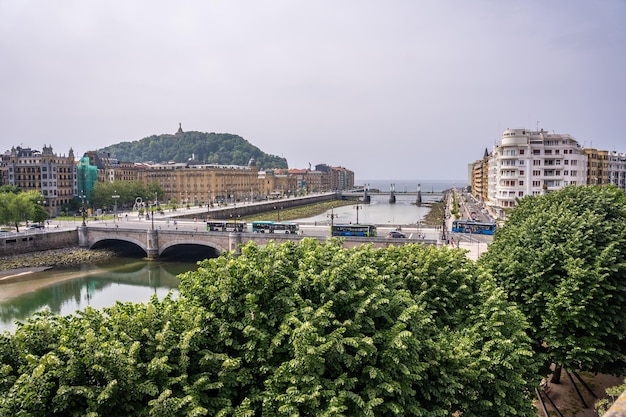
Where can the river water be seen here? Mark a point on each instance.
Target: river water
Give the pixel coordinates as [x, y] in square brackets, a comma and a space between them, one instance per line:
[134, 280]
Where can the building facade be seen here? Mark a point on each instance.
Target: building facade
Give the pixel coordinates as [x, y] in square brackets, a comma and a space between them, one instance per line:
[479, 178]
[617, 169]
[532, 163]
[54, 176]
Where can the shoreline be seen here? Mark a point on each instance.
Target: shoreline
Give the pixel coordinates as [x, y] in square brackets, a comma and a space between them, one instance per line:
[16, 267]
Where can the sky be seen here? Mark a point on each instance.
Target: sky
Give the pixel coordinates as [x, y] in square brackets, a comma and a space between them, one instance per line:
[396, 89]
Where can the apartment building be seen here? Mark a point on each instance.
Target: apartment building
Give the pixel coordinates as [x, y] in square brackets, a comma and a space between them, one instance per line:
[479, 177]
[111, 169]
[532, 163]
[617, 169]
[54, 176]
[195, 183]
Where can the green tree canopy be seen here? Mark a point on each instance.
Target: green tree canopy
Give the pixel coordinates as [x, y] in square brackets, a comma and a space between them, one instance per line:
[306, 328]
[209, 148]
[128, 191]
[21, 207]
[562, 258]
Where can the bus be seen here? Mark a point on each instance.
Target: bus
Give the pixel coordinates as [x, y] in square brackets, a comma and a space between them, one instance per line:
[368, 230]
[471, 226]
[275, 227]
[224, 226]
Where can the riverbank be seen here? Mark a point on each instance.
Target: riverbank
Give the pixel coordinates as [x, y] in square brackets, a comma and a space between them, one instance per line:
[56, 258]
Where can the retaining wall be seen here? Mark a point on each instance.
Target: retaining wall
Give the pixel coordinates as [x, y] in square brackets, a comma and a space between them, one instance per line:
[34, 241]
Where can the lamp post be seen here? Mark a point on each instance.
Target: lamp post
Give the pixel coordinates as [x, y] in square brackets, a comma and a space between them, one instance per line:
[82, 208]
[357, 208]
[235, 218]
[115, 197]
[278, 208]
[332, 217]
[153, 205]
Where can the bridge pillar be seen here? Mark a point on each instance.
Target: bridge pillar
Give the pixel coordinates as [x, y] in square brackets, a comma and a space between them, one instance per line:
[83, 240]
[152, 247]
[234, 243]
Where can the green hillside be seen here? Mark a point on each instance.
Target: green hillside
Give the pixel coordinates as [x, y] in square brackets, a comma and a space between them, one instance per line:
[210, 148]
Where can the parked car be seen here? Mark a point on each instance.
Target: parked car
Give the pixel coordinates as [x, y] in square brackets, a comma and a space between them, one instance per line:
[396, 234]
[37, 226]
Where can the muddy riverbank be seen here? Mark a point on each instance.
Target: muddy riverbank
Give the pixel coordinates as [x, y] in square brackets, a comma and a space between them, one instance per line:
[57, 258]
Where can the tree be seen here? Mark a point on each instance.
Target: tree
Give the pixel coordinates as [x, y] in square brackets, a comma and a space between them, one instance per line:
[562, 258]
[211, 148]
[321, 330]
[8, 188]
[103, 192]
[306, 328]
[17, 208]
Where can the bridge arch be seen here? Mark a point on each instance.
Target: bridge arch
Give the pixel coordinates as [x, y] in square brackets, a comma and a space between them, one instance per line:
[190, 243]
[110, 241]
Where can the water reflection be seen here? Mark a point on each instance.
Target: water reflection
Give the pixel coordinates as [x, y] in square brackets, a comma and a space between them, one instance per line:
[63, 292]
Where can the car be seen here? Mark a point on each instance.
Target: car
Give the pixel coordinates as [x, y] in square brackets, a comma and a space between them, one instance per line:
[395, 234]
[37, 226]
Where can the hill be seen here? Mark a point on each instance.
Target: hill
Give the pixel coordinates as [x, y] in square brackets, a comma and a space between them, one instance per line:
[210, 148]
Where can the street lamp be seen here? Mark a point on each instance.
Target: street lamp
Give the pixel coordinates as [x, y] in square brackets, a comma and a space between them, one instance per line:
[278, 208]
[115, 197]
[82, 208]
[235, 218]
[332, 217]
[357, 208]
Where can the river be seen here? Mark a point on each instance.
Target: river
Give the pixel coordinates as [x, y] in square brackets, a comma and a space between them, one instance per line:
[134, 280]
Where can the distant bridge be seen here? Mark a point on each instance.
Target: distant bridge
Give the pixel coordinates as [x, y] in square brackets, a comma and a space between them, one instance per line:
[156, 243]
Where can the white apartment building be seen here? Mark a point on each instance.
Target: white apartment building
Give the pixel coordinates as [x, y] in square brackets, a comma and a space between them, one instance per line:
[617, 169]
[532, 163]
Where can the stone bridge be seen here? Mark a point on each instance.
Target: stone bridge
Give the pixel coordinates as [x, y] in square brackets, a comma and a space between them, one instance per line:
[156, 242]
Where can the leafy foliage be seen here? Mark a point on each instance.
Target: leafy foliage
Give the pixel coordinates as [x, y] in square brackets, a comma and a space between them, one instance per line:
[306, 328]
[321, 330]
[210, 148]
[128, 191]
[562, 258]
[21, 206]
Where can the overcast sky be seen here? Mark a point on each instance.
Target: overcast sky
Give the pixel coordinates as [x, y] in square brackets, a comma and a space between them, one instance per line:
[395, 89]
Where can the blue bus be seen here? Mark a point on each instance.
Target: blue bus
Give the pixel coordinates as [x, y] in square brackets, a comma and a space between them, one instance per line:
[471, 226]
[353, 230]
[275, 227]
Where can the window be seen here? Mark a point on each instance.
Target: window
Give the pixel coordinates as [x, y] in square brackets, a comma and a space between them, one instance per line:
[521, 172]
[536, 151]
[520, 194]
[566, 162]
[521, 183]
[521, 152]
[536, 162]
[536, 183]
[536, 173]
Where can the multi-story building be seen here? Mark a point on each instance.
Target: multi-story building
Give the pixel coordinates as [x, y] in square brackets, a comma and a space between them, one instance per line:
[54, 176]
[532, 163]
[335, 178]
[194, 183]
[617, 169]
[111, 169]
[479, 177]
[597, 166]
